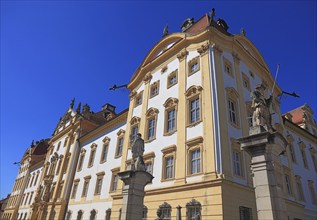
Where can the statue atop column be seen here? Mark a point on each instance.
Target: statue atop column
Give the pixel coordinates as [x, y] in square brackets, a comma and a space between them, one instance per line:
[137, 153]
[262, 115]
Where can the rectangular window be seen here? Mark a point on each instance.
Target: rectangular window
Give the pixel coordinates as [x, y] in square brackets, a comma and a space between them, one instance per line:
[169, 167]
[81, 161]
[138, 99]
[154, 89]
[75, 187]
[232, 112]
[304, 158]
[104, 152]
[194, 212]
[119, 147]
[300, 191]
[31, 198]
[151, 129]
[195, 161]
[228, 67]
[58, 146]
[59, 191]
[194, 110]
[237, 163]
[291, 150]
[170, 120]
[114, 182]
[98, 185]
[133, 135]
[92, 158]
[312, 191]
[66, 164]
[149, 167]
[245, 213]
[172, 79]
[85, 188]
[288, 185]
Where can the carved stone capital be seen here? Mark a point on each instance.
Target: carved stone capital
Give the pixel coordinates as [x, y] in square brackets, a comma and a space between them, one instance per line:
[182, 55]
[147, 78]
[203, 49]
[216, 48]
[132, 94]
[236, 57]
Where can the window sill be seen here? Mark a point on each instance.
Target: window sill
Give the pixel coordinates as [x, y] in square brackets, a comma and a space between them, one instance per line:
[169, 133]
[193, 124]
[149, 141]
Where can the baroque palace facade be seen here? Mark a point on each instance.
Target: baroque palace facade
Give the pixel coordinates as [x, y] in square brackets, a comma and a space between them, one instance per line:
[190, 101]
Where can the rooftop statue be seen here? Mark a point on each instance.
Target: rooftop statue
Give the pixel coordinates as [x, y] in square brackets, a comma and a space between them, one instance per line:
[137, 153]
[165, 31]
[261, 108]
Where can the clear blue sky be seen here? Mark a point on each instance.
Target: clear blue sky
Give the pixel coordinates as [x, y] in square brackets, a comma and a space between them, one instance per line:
[52, 51]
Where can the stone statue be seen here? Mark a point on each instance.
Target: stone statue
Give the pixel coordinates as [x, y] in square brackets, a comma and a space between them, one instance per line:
[72, 103]
[165, 31]
[78, 109]
[137, 153]
[261, 108]
[212, 15]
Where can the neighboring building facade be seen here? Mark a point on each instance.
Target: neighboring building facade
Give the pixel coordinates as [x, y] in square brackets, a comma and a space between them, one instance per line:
[190, 101]
[27, 181]
[3, 204]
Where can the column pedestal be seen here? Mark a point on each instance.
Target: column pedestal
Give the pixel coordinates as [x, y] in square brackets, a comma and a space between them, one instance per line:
[265, 149]
[133, 193]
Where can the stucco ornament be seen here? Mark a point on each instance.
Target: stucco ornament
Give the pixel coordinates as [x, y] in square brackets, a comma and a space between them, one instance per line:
[261, 108]
[137, 153]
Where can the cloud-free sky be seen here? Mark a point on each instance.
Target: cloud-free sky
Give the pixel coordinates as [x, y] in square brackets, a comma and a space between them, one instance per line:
[53, 51]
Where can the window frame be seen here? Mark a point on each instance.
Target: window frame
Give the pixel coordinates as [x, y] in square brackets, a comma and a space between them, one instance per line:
[93, 150]
[81, 160]
[100, 176]
[156, 85]
[75, 189]
[193, 204]
[138, 97]
[192, 62]
[114, 184]
[246, 79]
[194, 145]
[233, 97]
[105, 149]
[151, 114]
[170, 105]
[85, 186]
[193, 93]
[168, 152]
[228, 65]
[171, 75]
[120, 142]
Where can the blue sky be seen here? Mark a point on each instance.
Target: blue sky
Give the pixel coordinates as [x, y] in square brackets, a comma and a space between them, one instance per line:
[53, 51]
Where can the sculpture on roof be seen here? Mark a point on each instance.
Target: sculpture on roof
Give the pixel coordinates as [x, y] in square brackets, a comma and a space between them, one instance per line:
[78, 108]
[137, 153]
[165, 31]
[261, 108]
[212, 15]
[72, 103]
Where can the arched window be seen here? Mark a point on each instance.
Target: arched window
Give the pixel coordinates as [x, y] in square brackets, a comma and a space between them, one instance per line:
[80, 215]
[93, 214]
[193, 210]
[108, 214]
[164, 211]
[68, 215]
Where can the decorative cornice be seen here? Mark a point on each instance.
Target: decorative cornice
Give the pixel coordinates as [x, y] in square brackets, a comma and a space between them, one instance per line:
[182, 55]
[203, 49]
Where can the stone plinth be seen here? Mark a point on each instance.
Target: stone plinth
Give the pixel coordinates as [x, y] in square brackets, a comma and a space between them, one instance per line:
[265, 149]
[133, 193]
